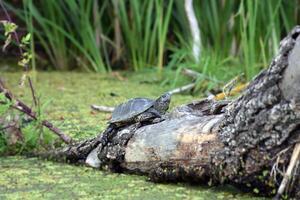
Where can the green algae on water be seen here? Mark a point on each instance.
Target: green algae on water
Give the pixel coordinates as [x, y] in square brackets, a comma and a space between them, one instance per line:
[70, 95]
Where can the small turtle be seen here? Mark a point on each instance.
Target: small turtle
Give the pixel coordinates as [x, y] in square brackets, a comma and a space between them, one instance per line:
[140, 109]
[135, 110]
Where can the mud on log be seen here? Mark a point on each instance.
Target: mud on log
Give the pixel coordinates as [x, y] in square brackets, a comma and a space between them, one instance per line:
[247, 142]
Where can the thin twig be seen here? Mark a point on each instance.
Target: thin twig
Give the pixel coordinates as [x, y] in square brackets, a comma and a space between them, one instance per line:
[19, 105]
[195, 75]
[288, 175]
[6, 127]
[275, 168]
[188, 72]
[105, 109]
[191, 73]
[32, 91]
[183, 88]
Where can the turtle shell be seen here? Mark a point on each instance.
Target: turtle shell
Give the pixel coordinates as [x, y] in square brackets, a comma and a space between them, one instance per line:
[130, 109]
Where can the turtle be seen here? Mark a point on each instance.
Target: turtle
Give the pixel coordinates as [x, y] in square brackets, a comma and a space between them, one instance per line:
[140, 109]
[136, 110]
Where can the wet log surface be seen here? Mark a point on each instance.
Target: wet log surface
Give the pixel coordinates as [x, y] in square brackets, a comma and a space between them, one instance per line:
[247, 142]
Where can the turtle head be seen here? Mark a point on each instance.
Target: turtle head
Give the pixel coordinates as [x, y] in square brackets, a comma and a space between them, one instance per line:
[162, 103]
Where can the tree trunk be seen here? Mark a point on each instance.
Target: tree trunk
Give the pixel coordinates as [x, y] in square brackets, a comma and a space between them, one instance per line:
[247, 142]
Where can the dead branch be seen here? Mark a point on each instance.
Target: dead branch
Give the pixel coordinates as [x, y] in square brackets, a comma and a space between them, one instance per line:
[288, 175]
[105, 109]
[191, 73]
[183, 88]
[19, 105]
[32, 91]
[188, 72]
[195, 75]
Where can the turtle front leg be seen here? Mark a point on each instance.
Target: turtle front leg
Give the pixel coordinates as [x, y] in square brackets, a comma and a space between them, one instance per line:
[145, 117]
[150, 116]
[158, 117]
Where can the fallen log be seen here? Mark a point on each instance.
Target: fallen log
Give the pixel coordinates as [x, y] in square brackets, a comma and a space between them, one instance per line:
[247, 142]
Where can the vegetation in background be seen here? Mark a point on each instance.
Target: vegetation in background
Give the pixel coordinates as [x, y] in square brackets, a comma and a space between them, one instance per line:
[237, 36]
[86, 34]
[144, 27]
[17, 133]
[32, 137]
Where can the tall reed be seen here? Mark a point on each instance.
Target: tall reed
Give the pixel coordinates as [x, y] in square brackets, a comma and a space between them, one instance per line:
[144, 26]
[238, 36]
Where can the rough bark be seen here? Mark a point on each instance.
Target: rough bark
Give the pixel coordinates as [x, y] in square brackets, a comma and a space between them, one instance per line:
[263, 121]
[246, 142]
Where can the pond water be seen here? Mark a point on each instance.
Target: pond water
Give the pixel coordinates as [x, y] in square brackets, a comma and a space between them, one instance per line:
[68, 97]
